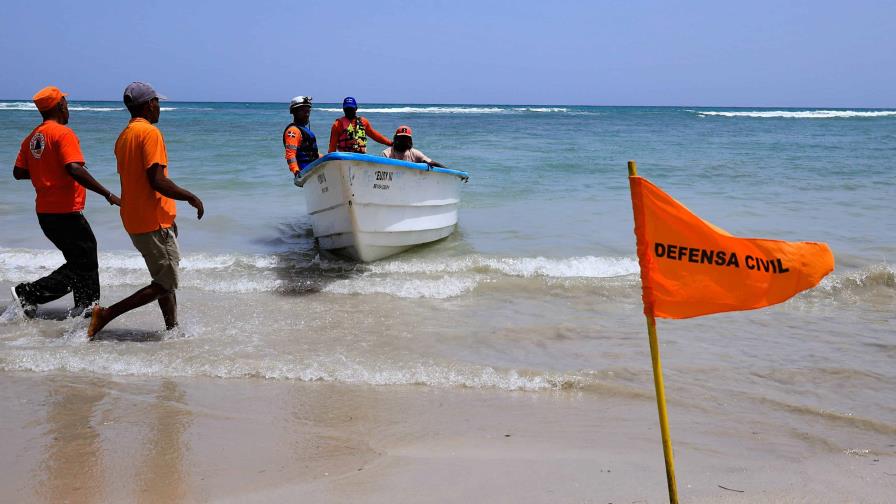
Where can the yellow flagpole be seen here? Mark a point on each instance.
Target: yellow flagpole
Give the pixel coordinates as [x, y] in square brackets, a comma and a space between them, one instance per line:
[660, 391]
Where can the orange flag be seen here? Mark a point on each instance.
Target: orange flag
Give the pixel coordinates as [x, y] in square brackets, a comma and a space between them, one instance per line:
[690, 267]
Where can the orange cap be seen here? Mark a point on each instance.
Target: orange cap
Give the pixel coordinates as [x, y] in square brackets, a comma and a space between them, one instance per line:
[403, 130]
[48, 97]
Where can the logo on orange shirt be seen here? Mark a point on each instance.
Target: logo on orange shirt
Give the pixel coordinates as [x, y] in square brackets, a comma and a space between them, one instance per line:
[38, 142]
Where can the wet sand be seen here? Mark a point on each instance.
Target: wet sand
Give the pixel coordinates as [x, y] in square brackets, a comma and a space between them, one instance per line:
[83, 438]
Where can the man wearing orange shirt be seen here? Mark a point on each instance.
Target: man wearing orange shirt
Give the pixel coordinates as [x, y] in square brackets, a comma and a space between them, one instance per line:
[50, 156]
[349, 133]
[147, 207]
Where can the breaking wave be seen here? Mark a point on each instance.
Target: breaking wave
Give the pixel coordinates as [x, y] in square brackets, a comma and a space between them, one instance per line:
[874, 279]
[73, 107]
[452, 110]
[541, 109]
[17, 106]
[799, 114]
[246, 273]
[526, 267]
[433, 278]
[76, 359]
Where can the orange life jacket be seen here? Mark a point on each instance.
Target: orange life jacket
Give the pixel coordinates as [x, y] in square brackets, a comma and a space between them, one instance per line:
[353, 137]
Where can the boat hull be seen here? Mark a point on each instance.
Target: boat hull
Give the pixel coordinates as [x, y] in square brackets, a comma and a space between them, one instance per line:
[369, 207]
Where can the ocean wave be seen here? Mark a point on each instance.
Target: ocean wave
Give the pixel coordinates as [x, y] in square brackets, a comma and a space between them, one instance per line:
[526, 267]
[72, 356]
[424, 110]
[450, 110]
[872, 279]
[246, 273]
[799, 114]
[432, 278]
[80, 108]
[97, 109]
[31, 106]
[17, 106]
[541, 109]
[436, 288]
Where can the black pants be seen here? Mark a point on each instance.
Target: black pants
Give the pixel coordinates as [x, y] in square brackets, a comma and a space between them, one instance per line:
[72, 235]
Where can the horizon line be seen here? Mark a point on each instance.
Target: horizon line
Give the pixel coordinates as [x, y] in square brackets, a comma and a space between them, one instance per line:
[484, 104]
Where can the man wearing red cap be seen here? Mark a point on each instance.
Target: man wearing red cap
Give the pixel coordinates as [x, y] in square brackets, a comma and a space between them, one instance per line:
[403, 149]
[50, 156]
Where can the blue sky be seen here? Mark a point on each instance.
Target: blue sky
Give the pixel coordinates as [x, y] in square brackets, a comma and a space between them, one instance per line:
[758, 53]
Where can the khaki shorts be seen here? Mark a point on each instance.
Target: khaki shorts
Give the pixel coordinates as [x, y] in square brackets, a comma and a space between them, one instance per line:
[159, 250]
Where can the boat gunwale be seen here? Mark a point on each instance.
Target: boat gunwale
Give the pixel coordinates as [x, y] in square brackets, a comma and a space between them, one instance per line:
[367, 158]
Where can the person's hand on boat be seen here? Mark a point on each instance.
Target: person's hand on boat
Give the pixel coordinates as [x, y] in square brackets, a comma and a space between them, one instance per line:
[297, 181]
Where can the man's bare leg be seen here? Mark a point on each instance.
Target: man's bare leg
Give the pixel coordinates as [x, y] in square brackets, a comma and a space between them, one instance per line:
[168, 304]
[102, 316]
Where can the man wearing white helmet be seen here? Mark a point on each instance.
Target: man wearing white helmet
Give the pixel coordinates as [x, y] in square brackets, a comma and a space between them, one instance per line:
[299, 142]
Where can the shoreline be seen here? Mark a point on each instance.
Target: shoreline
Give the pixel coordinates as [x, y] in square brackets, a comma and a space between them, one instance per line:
[256, 440]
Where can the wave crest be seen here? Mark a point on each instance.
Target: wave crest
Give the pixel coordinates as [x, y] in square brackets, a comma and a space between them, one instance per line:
[451, 110]
[798, 114]
[526, 267]
[74, 359]
[81, 108]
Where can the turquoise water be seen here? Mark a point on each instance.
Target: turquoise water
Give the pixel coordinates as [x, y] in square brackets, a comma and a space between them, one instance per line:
[541, 175]
[538, 288]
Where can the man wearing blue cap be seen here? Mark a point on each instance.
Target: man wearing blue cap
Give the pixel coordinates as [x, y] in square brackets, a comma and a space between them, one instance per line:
[349, 133]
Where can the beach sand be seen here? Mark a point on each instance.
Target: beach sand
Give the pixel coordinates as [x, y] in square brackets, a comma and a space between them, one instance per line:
[82, 438]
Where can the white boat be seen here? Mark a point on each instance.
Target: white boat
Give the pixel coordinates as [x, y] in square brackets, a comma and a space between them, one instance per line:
[370, 207]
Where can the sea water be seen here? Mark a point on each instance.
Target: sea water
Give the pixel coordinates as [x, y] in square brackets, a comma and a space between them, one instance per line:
[538, 288]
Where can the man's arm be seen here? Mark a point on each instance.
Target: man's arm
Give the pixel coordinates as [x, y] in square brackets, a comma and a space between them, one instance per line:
[376, 135]
[334, 136]
[423, 158]
[292, 139]
[166, 187]
[83, 177]
[20, 173]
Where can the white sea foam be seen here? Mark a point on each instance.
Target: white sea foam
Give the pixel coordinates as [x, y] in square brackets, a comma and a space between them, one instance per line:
[799, 114]
[17, 106]
[432, 278]
[451, 110]
[878, 276]
[425, 110]
[527, 267]
[238, 273]
[98, 109]
[246, 273]
[541, 109]
[81, 108]
[70, 355]
[438, 288]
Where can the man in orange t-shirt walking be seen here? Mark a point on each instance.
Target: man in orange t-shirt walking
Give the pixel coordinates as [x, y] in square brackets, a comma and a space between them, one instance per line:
[349, 133]
[50, 156]
[147, 208]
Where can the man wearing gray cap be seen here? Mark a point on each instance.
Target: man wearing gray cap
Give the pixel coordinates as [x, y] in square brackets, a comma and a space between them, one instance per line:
[298, 140]
[147, 207]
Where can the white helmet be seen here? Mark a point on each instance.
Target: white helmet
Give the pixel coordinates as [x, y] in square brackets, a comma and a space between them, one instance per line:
[300, 101]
